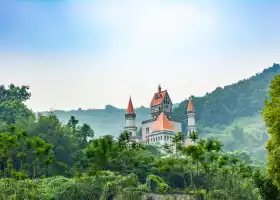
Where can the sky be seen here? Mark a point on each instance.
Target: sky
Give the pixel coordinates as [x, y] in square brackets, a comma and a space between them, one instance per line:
[87, 54]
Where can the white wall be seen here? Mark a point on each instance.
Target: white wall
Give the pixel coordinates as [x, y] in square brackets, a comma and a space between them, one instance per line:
[191, 119]
[130, 122]
[144, 126]
[130, 126]
[160, 139]
[177, 126]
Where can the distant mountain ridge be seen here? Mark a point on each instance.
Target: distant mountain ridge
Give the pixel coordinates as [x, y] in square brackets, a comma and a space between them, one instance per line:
[218, 108]
[109, 120]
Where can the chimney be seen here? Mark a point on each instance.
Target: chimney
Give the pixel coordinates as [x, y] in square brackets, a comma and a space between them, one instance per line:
[159, 88]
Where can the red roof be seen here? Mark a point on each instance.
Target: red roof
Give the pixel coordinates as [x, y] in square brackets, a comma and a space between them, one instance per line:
[162, 123]
[190, 105]
[130, 109]
[158, 98]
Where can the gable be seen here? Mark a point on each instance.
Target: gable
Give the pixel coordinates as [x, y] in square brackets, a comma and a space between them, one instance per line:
[167, 98]
[158, 98]
[162, 123]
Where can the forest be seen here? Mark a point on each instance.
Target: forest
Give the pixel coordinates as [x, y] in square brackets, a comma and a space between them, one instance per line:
[45, 159]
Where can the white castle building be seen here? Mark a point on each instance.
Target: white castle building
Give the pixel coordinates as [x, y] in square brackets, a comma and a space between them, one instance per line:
[160, 128]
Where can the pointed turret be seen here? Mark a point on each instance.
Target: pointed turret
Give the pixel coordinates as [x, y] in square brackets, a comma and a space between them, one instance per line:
[191, 117]
[130, 109]
[130, 117]
[190, 105]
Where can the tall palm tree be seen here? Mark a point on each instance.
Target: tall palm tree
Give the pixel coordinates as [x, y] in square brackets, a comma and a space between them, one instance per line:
[195, 152]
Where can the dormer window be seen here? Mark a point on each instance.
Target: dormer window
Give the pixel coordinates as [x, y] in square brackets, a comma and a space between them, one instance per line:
[157, 96]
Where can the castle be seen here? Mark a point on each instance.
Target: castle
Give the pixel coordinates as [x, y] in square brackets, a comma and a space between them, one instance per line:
[161, 128]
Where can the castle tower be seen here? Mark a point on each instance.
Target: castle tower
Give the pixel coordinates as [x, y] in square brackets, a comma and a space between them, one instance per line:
[161, 102]
[191, 117]
[130, 117]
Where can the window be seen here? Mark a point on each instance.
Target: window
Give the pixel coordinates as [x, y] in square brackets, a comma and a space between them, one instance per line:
[155, 109]
[147, 130]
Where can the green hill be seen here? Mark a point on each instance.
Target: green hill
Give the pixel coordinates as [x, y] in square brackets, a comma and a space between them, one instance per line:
[229, 113]
[242, 99]
[232, 113]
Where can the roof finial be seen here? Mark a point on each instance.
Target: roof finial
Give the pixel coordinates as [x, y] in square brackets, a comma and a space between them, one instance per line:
[159, 88]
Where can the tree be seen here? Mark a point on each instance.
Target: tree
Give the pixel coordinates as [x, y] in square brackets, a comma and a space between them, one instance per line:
[14, 93]
[195, 152]
[84, 133]
[264, 184]
[51, 130]
[8, 144]
[193, 136]
[17, 146]
[271, 116]
[178, 142]
[12, 103]
[72, 124]
[99, 151]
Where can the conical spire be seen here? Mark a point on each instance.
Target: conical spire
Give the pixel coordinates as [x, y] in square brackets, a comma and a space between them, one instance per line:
[190, 105]
[130, 109]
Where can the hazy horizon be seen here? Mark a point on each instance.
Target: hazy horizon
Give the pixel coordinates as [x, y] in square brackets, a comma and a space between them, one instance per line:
[91, 54]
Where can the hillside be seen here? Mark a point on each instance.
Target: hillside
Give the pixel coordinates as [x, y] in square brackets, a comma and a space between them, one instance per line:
[220, 107]
[232, 113]
[242, 99]
[109, 120]
[221, 113]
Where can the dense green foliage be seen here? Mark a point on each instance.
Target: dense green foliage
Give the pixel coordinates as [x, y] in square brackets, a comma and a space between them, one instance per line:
[271, 116]
[45, 159]
[232, 113]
